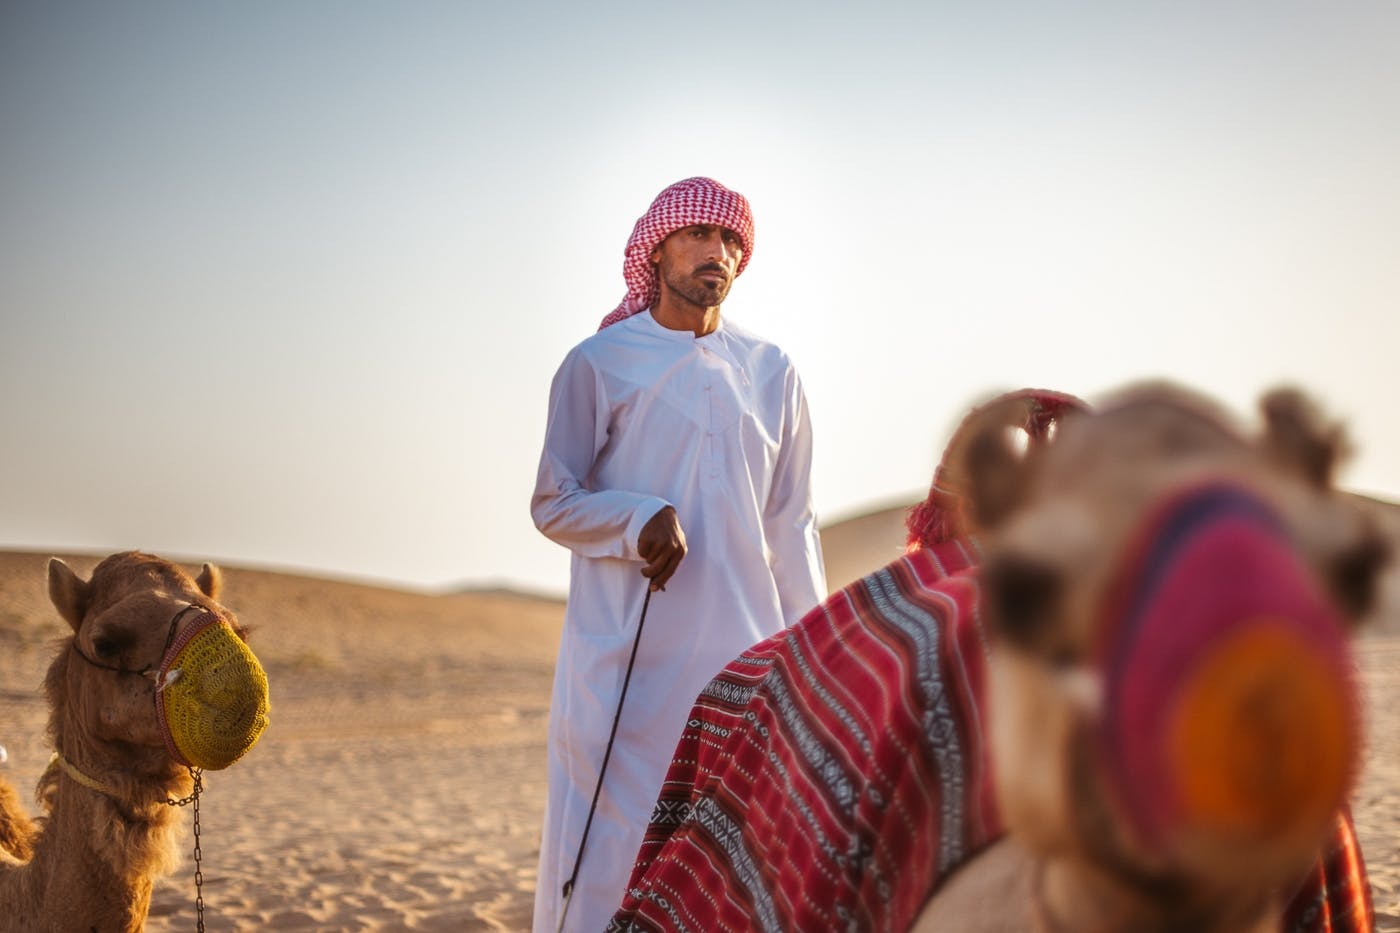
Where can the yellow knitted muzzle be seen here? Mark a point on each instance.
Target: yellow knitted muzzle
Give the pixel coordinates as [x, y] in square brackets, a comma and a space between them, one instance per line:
[211, 696]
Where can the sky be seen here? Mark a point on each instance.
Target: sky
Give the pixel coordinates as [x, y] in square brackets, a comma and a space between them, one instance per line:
[284, 285]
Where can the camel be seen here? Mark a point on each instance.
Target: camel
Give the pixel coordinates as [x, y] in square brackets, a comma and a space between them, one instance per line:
[154, 684]
[1106, 688]
[1171, 707]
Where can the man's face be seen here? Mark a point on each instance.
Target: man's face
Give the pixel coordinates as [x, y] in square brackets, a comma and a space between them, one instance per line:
[698, 263]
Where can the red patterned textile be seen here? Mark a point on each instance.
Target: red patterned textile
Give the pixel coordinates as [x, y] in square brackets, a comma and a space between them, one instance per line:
[692, 201]
[832, 776]
[1335, 897]
[828, 775]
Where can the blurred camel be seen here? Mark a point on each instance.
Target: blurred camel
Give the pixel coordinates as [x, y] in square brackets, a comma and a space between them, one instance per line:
[1172, 714]
[1107, 688]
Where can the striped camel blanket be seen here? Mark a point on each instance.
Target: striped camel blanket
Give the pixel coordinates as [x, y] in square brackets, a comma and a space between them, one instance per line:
[831, 776]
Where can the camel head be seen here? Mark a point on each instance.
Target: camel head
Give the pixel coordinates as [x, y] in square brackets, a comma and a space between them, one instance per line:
[157, 675]
[1171, 699]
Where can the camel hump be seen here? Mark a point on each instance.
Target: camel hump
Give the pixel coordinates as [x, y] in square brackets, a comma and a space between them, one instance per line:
[16, 829]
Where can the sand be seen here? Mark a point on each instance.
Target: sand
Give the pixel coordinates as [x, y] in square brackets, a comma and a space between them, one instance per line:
[401, 783]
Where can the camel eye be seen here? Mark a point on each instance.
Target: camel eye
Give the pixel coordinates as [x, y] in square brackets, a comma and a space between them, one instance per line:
[1022, 597]
[1354, 575]
[109, 644]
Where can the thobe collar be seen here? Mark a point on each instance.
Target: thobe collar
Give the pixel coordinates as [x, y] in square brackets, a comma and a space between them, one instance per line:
[653, 326]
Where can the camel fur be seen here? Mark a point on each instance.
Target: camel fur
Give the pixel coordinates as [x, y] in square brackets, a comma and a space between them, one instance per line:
[90, 860]
[1055, 522]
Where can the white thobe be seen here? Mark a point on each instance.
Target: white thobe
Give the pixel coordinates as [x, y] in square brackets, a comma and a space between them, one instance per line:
[641, 417]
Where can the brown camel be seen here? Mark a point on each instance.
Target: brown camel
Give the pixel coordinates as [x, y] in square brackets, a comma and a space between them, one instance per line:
[1171, 708]
[155, 682]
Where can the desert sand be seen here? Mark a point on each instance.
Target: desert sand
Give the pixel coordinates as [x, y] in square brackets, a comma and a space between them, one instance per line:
[401, 783]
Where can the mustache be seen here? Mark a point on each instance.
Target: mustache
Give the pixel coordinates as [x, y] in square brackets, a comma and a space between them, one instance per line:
[712, 267]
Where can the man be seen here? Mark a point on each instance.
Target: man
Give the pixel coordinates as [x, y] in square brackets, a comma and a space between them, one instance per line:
[677, 456]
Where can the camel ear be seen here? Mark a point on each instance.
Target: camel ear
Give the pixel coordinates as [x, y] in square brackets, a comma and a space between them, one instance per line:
[68, 593]
[995, 473]
[1299, 439]
[211, 581]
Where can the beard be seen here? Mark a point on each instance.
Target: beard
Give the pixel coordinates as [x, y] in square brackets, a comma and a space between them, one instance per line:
[699, 292]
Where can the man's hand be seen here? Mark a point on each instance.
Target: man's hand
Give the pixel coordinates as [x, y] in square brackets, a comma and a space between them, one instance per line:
[662, 545]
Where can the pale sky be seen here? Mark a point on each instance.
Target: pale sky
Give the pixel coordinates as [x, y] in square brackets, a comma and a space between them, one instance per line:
[284, 284]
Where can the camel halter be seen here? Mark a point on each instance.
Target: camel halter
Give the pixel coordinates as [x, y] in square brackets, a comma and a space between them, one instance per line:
[161, 677]
[204, 666]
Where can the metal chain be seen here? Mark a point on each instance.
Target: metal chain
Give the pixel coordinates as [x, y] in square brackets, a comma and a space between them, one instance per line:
[198, 775]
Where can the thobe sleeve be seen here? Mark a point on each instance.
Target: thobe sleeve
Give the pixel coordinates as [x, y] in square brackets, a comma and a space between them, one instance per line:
[789, 520]
[591, 523]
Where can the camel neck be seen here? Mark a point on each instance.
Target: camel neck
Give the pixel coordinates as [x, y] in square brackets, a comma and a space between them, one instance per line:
[95, 845]
[88, 846]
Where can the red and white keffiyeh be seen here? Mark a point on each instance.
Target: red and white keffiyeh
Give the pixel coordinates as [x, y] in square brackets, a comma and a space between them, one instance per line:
[692, 201]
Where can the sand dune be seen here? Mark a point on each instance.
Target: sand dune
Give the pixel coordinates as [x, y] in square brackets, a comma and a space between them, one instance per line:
[401, 783]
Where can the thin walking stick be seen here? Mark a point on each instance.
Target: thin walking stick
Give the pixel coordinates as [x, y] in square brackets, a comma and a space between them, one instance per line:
[592, 808]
